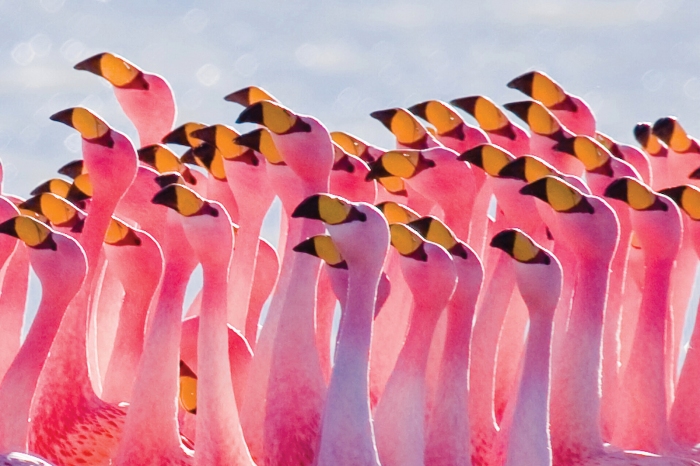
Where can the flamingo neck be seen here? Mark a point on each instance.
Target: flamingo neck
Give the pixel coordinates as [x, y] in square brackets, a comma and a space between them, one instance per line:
[575, 406]
[242, 270]
[528, 439]
[12, 300]
[217, 414]
[128, 346]
[20, 381]
[152, 418]
[414, 355]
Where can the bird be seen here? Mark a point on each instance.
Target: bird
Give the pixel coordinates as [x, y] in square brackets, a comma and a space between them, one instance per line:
[60, 264]
[220, 439]
[539, 277]
[400, 414]
[146, 98]
[346, 435]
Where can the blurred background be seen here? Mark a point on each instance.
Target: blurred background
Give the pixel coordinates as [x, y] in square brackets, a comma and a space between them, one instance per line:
[632, 60]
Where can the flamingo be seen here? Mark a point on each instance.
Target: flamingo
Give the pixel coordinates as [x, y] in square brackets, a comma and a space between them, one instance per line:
[643, 387]
[572, 111]
[447, 427]
[400, 414]
[498, 127]
[65, 402]
[546, 132]
[296, 388]
[683, 415]
[220, 439]
[60, 265]
[539, 278]
[146, 98]
[346, 436]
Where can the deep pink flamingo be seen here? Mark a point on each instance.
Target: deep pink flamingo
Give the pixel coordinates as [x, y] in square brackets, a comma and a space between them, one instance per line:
[60, 265]
[447, 426]
[65, 402]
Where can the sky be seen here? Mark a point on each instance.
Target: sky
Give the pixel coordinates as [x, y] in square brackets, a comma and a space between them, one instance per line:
[631, 60]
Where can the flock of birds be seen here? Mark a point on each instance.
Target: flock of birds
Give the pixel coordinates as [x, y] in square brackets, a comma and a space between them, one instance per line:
[508, 297]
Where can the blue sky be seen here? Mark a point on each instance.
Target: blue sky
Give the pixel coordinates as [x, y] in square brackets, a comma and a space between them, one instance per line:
[632, 60]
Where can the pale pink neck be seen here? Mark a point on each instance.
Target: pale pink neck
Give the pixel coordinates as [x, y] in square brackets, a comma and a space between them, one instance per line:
[413, 358]
[152, 111]
[128, 345]
[484, 346]
[528, 439]
[643, 421]
[217, 415]
[152, 416]
[12, 300]
[347, 413]
[575, 406]
[242, 270]
[19, 384]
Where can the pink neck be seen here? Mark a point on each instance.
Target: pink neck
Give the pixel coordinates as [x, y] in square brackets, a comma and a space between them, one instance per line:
[12, 301]
[643, 419]
[575, 406]
[242, 270]
[528, 439]
[128, 346]
[19, 384]
[217, 414]
[487, 329]
[152, 416]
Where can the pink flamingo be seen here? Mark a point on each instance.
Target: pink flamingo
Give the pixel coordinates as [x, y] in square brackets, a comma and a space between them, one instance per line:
[539, 278]
[498, 127]
[572, 111]
[65, 402]
[146, 98]
[447, 426]
[630, 154]
[546, 132]
[137, 261]
[683, 418]
[575, 398]
[220, 439]
[60, 265]
[601, 168]
[400, 415]
[346, 436]
[295, 388]
[643, 398]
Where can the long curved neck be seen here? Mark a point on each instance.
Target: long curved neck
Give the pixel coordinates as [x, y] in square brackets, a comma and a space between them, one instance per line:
[152, 416]
[413, 358]
[355, 335]
[487, 328]
[243, 269]
[528, 439]
[15, 281]
[644, 376]
[575, 407]
[128, 346]
[216, 404]
[19, 384]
